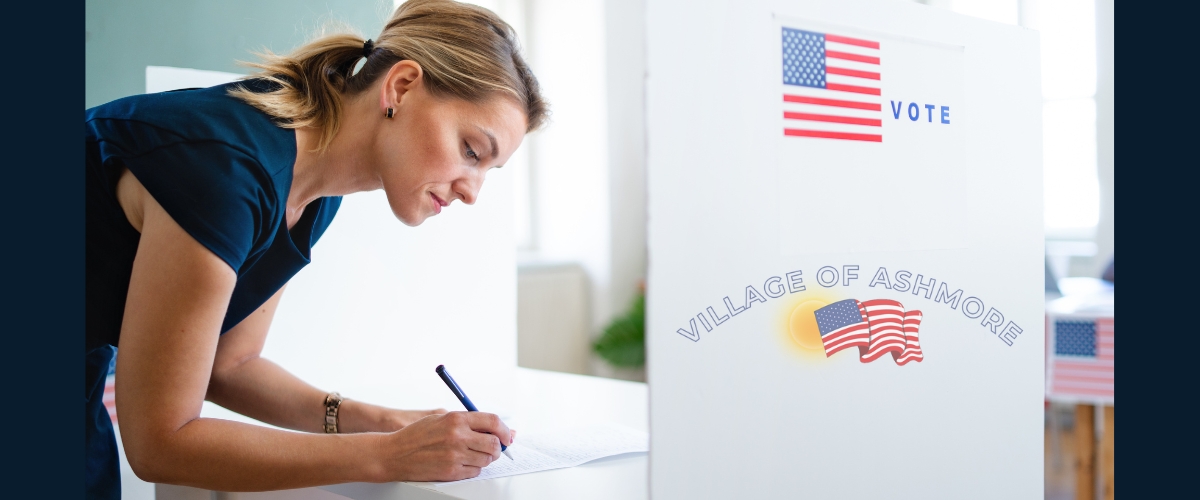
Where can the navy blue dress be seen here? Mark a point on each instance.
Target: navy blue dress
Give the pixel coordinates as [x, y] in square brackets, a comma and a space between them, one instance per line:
[222, 170]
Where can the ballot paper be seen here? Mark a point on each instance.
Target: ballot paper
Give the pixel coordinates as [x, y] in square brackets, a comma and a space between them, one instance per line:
[558, 449]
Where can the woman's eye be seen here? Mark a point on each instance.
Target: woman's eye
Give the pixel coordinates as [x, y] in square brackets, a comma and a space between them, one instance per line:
[471, 153]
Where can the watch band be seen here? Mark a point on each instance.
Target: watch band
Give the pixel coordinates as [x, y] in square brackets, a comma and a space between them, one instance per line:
[333, 401]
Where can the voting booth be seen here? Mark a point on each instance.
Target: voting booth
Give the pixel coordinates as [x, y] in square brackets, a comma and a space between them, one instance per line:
[845, 294]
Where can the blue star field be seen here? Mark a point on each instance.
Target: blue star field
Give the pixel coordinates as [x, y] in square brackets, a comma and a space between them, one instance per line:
[803, 58]
[837, 315]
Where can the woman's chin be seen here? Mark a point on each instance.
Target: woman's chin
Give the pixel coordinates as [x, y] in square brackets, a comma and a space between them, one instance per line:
[408, 219]
[403, 210]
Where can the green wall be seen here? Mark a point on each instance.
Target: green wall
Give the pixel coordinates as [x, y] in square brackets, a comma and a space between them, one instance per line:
[124, 36]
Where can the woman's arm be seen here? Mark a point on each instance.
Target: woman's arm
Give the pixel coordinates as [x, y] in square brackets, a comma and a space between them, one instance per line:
[249, 384]
[178, 294]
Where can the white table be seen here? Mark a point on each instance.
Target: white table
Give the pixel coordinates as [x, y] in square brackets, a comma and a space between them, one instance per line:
[541, 400]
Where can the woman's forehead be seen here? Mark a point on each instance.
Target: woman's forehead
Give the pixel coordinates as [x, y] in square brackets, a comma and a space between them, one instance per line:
[503, 120]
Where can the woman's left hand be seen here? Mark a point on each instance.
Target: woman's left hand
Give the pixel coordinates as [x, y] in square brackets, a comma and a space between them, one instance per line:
[357, 416]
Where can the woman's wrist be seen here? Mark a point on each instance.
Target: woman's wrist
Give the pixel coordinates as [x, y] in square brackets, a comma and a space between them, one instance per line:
[369, 457]
[382, 459]
[356, 416]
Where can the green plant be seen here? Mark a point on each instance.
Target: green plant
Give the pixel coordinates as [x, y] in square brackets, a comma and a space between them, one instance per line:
[623, 343]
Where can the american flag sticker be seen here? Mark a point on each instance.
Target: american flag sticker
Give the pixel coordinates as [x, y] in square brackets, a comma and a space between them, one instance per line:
[1082, 363]
[832, 87]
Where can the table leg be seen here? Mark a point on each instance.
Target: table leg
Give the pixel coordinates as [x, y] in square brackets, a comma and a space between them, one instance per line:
[1085, 452]
[1106, 453]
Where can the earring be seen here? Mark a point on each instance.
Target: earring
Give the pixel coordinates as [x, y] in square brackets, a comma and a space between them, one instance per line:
[389, 113]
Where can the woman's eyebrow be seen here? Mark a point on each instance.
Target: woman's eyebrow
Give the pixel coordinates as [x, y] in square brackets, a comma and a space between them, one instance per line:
[491, 140]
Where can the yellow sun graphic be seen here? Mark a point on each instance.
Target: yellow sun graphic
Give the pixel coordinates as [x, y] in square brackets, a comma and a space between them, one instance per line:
[797, 324]
[802, 325]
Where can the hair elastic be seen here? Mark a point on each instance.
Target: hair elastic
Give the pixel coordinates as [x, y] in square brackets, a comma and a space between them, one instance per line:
[368, 47]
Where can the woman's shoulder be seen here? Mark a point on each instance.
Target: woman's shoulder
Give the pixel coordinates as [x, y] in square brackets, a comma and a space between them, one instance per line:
[135, 125]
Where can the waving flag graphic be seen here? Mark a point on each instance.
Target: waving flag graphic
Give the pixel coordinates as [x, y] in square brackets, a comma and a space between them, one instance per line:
[886, 318]
[842, 325]
[912, 345]
[876, 327]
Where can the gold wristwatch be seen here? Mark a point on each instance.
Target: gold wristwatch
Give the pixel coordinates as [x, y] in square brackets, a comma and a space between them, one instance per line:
[332, 402]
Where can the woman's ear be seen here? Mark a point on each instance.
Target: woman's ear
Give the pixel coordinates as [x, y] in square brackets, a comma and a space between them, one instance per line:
[403, 77]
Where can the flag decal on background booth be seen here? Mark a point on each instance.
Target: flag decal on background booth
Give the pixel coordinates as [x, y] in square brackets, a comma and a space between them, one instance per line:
[875, 327]
[1083, 363]
[831, 87]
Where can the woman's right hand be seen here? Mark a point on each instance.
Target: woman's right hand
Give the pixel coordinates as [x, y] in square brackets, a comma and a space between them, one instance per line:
[448, 447]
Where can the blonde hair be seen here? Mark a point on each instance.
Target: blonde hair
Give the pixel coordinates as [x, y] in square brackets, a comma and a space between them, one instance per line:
[465, 52]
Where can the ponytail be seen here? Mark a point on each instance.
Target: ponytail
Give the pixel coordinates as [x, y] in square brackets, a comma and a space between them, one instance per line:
[465, 51]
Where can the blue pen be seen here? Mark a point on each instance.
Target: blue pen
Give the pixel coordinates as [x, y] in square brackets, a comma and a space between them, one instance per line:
[462, 396]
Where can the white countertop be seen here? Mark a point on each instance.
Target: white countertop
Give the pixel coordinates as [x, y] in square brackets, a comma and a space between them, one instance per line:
[545, 400]
[536, 400]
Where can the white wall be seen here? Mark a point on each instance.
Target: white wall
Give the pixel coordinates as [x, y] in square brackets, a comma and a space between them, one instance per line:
[588, 166]
[625, 32]
[1105, 135]
[569, 158]
[589, 163]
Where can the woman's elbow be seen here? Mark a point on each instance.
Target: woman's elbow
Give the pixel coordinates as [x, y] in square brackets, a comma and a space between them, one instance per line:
[149, 457]
[144, 468]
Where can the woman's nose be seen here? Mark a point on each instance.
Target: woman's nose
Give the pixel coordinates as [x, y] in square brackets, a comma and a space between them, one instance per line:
[468, 188]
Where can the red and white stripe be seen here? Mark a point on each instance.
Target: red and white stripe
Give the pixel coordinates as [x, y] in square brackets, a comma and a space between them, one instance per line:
[886, 319]
[110, 397]
[854, 335]
[912, 343]
[850, 107]
[1088, 377]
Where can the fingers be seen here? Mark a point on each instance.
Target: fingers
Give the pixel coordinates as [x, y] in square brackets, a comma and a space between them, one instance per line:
[491, 424]
[446, 447]
[474, 431]
[468, 472]
[474, 458]
[486, 444]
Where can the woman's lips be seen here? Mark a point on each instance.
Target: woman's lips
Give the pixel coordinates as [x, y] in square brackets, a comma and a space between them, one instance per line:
[437, 204]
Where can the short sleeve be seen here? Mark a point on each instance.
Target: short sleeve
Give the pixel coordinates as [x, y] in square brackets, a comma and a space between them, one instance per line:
[328, 210]
[222, 197]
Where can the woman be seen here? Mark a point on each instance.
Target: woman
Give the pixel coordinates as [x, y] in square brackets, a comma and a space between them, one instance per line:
[201, 204]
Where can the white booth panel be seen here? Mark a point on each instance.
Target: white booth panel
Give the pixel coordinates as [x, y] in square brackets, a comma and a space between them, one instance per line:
[825, 174]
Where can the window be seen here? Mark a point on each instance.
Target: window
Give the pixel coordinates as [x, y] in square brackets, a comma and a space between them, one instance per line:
[1068, 29]
[1069, 148]
[1068, 41]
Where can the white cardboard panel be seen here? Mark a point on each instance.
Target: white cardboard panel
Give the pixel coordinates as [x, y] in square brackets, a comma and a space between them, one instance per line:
[164, 78]
[383, 304]
[753, 408]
